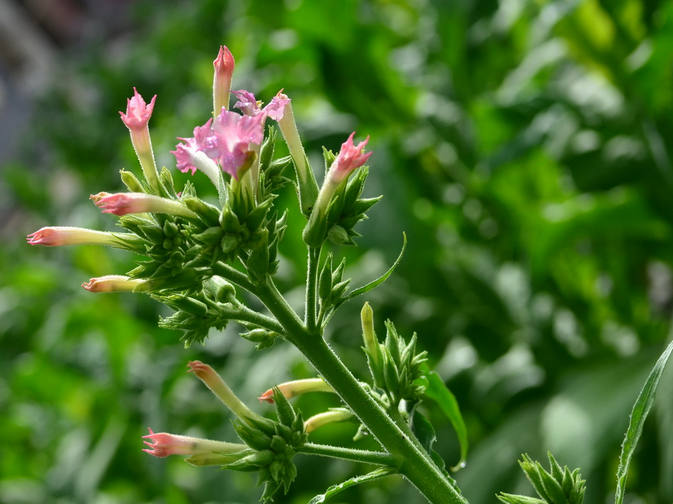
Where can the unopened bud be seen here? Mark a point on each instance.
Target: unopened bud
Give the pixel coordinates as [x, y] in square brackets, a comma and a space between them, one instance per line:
[224, 68]
[297, 387]
[331, 416]
[116, 283]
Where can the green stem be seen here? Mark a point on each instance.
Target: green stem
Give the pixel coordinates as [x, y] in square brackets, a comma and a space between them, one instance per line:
[244, 314]
[311, 281]
[416, 465]
[367, 456]
[233, 275]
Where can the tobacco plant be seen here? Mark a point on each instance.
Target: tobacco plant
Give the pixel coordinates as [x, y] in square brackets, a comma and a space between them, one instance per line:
[213, 261]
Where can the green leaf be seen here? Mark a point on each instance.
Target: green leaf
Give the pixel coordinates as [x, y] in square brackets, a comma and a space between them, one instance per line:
[438, 392]
[425, 432]
[641, 408]
[356, 480]
[375, 283]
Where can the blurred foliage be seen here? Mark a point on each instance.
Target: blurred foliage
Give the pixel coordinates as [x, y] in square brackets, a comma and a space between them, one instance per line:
[525, 147]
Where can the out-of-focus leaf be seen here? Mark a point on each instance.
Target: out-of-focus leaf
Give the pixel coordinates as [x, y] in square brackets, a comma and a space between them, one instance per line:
[444, 398]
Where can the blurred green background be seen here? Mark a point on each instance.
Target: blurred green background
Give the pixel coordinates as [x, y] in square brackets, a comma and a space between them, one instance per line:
[524, 146]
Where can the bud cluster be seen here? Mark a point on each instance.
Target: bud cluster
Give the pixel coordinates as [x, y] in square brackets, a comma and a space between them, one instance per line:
[396, 367]
[556, 486]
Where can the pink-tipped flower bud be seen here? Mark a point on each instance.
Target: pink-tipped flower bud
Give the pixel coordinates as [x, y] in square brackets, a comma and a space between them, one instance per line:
[163, 444]
[138, 112]
[349, 159]
[221, 390]
[54, 236]
[297, 387]
[224, 68]
[115, 283]
[130, 203]
[136, 119]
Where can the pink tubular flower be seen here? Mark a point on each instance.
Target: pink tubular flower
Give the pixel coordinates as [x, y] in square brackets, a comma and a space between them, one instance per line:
[247, 104]
[54, 236]
[138, 112]
[224, 68]
[136, 119]
[163, 444]
[350, 158]
[133, 202]
[114, 283]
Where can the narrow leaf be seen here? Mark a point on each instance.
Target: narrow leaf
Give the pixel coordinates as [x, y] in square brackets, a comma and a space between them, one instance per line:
[641, 408]
[438, 392]
[375, 283]
[356, 480]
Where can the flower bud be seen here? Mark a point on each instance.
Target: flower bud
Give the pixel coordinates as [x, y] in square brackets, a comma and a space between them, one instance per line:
[330, 416]
[306, 184]
[224, 68]
[297, 387]
[136, 119]
[350, 158]
[54, 236]
[163, 444]
[116, 283]
[217, 386]
[130, 203]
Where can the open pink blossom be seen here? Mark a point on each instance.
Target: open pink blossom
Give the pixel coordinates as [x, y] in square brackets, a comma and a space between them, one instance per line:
[350, 157]
[247, 104]
[138, 112]
[184, 154]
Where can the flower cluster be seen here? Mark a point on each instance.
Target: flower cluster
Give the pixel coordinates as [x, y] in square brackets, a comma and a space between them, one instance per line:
[200, 255]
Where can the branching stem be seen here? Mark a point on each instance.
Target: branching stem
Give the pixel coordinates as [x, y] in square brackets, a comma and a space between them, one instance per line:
[367, 456]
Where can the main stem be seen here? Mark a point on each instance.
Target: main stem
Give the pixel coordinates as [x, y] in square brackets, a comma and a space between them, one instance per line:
[311, 284]
[416, 465]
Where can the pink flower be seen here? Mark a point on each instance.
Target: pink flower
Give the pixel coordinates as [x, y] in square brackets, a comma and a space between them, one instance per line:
[350, 158]
[224, 68]
[138, 112]
[229, 140]
[247, 104]
[163, 444]
[184, 154]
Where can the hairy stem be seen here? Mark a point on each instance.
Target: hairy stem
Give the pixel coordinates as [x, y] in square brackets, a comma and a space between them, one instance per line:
[244, 314]
[367, 456]
[416, 464]
[233, 275]
[311, 284]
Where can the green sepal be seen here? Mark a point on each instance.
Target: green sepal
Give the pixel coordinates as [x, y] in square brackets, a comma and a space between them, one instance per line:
[131, 181]
[254, 438]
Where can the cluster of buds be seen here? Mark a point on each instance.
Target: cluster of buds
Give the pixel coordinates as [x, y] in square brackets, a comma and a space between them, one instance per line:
[396, 367]
[556, 486]
[268, 446]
